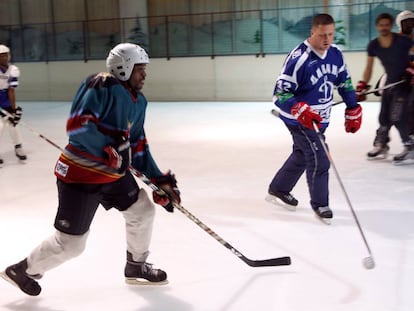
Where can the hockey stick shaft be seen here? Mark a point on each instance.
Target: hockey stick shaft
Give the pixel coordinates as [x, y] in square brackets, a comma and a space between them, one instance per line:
[325, 148]
[276, 112]
[279, 261]
[375, 90]
[32, 130]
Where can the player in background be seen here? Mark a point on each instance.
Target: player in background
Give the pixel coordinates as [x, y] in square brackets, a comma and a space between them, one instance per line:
[9, 81]
[304, 94]
[106, 136]
[405, 23]
[393, 51]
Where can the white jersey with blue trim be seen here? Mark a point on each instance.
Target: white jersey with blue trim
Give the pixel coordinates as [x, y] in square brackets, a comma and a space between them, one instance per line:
[8, 78]
[311, 77]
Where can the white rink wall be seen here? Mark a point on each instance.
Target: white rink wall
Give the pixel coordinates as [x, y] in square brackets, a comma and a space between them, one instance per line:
[226, 78]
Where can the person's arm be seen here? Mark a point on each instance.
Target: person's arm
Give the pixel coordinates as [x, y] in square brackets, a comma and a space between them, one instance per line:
[12, 97]
[366, 77]
[362, 85]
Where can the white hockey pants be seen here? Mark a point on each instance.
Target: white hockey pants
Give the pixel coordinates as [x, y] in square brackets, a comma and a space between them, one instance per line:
[13, 131]
[60, 247]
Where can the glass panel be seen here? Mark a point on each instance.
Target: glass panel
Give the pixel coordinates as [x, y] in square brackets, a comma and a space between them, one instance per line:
[66, 41]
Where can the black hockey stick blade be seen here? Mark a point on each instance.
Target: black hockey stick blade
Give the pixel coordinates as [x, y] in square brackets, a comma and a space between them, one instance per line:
[280, 261]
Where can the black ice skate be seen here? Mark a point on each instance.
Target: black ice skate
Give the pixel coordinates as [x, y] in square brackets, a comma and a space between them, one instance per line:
[324, 213]
[379, 151]
[405, 157]
[1, 161]
[142, 273]
[16, 275]
[289, 200]
[18, 149]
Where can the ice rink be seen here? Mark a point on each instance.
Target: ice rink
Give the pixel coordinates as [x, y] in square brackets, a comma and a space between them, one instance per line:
[224, 155]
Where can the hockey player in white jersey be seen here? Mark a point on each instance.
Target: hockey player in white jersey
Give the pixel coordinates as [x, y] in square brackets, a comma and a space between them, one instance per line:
[304, 94]
[10, 113]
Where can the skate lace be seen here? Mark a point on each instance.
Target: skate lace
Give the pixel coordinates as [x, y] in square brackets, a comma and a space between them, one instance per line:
[289, 197]
[148, 270]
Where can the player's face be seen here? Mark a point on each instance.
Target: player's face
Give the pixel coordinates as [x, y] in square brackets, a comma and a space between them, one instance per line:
[384, 27]
[136, 81]
[322, 37]
[407, 26]
[4, 59]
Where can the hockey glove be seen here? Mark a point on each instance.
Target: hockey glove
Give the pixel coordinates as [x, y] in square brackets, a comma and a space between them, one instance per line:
[13, 115]
[169, 194]
[409, 73]
[17, 115]
[306, 115]
[119, 155]
[361, 88]
[353, 119]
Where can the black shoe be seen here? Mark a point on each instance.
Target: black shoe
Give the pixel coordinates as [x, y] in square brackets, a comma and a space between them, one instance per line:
[378, 152]
[18, 150]
[143, 273]
[16, 274]
[285, 197]
[323, 212]
[1, 161]
[406, 155]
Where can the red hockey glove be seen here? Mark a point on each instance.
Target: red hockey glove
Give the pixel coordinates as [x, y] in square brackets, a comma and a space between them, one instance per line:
[361, 88]
[306, 115]
[169, 194]
[353, 119]
[119, 155]
[409, 72]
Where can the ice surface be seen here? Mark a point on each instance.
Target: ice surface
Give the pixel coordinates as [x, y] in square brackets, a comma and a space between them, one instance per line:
[224, 155]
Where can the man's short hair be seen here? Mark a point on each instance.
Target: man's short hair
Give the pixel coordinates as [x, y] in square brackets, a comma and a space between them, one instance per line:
[322, 19]
[384, 16]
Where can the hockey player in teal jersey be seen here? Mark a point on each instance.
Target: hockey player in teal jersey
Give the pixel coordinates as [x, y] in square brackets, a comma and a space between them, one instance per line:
[106, 136]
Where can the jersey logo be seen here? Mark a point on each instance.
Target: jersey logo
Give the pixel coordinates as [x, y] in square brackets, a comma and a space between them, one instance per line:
[297, 53]
[326, 90]
[61, 168]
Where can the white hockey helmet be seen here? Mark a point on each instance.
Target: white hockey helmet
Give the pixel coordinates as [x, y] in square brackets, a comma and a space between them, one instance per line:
[4, 49]
[122, 58]
[403, 16]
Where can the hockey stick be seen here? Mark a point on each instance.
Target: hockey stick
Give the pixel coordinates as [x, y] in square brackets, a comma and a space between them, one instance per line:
[375, 90]
[368, 262]
[5, 112]
[280, 261]
[276, 112]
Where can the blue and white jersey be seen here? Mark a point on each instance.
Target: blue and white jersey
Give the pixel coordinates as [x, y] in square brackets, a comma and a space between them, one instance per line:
[8, 78]
[310, 77]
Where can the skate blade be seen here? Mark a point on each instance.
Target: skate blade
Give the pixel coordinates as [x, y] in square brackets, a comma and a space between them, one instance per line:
[404, 162]
[276, 201]
[326, 221]
[136, 281]
[6, 277]
[379, 157]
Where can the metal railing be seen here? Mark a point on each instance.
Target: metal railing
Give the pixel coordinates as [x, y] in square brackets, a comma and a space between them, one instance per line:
[253, 32]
